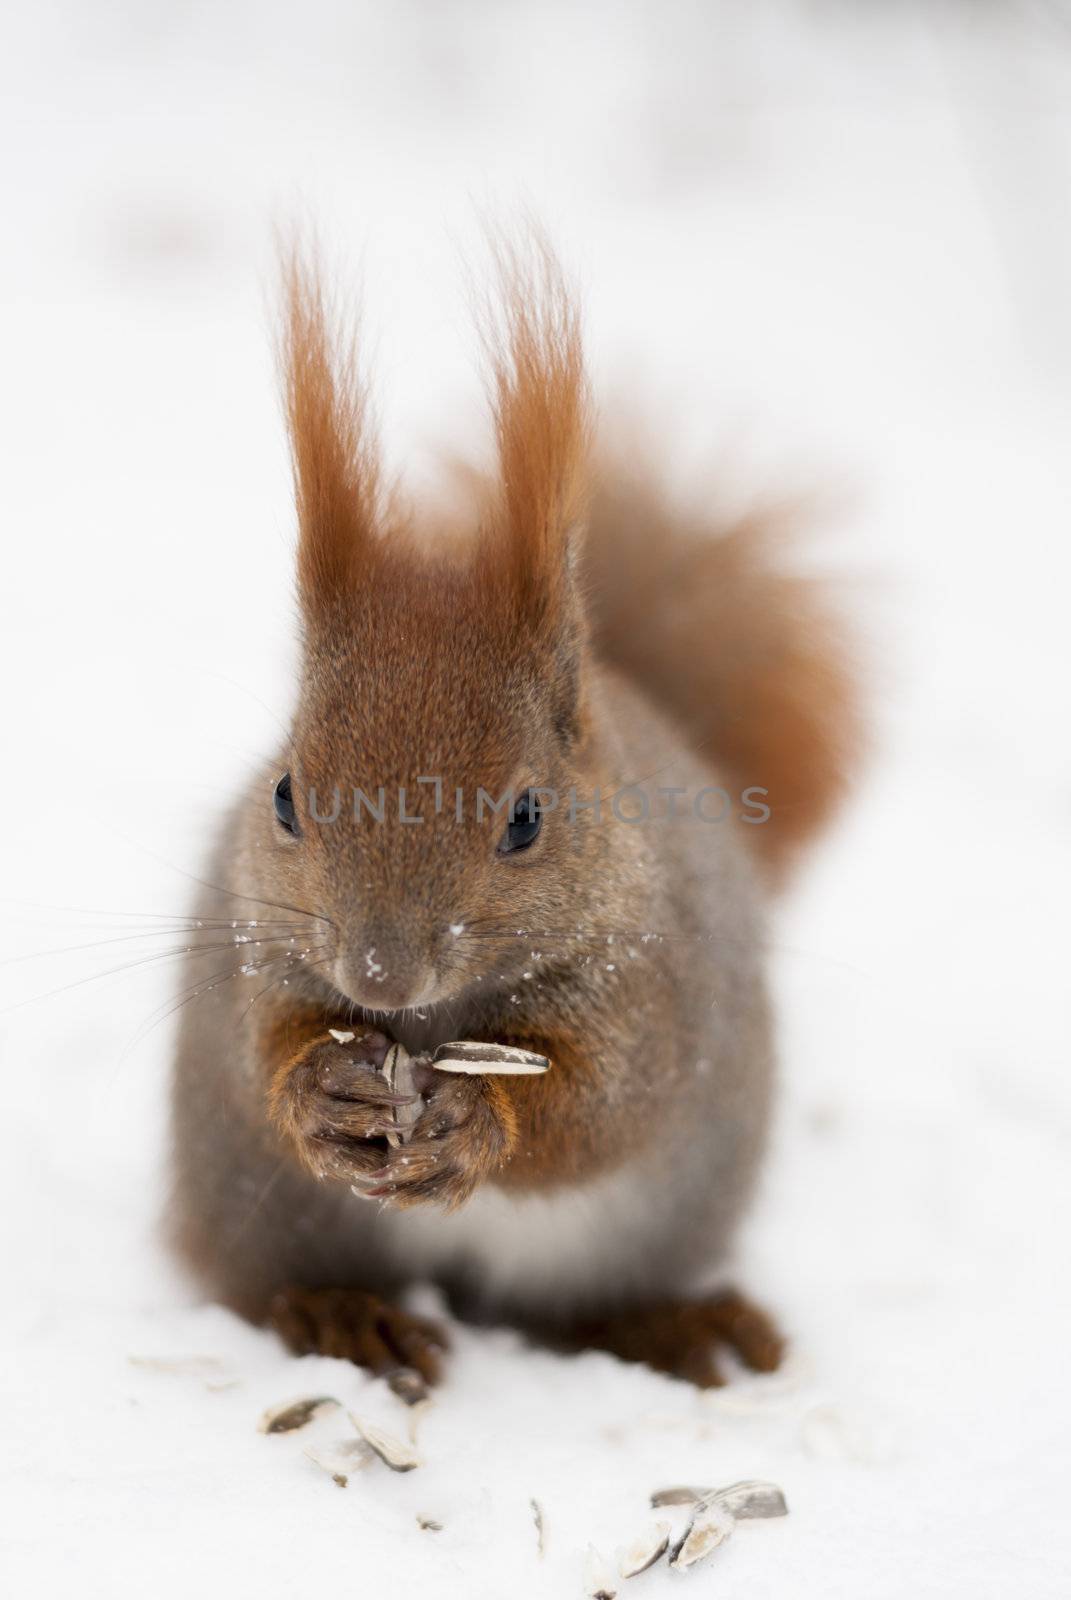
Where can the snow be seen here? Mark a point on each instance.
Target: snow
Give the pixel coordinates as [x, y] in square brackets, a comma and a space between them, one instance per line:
[822, 242]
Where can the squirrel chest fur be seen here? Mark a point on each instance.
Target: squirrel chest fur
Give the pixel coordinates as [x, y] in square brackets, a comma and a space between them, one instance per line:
[538, 784]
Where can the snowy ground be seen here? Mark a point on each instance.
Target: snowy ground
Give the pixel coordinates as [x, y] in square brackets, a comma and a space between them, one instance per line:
[834, 240]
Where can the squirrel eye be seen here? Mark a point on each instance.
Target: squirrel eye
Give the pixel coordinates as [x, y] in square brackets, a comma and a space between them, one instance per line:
[283, 800]
[526, 819]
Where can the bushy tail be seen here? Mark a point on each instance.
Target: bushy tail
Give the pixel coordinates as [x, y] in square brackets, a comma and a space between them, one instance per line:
[717, 621]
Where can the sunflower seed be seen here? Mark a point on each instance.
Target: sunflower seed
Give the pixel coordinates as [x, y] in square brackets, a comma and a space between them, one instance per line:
[340, 1459]
[394, 1453]
[752, 1498]
[210, 1368]
[644, 1551]
[685, 1495]
[475, 1056]
[342, 1035]
[417, 1411]
[398, 1071]
[599, 1582]
[540, 1526]
[710, 1525]
[295, 1414]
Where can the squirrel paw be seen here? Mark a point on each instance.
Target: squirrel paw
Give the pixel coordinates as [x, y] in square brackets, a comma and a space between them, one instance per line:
[464, 1134]
[680, 1336]
[359, 1327]
[331, 1100]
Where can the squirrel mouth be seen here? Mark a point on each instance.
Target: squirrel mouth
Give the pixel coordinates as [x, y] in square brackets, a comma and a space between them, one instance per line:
[420, 1026]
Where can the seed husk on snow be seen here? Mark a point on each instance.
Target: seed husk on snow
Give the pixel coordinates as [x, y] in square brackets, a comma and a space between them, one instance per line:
[294, 1414]
[179, 1366]
[644, 1551]
[540, 1526]
[475, 1056]
[751, 1499]
[340, 1459]
[748, 1500]
[417, 1411]
[685, 1495]
[599, 1583]
[394, 1453]
[709, 1526]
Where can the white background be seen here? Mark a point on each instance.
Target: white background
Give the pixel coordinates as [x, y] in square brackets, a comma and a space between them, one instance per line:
[823, 242]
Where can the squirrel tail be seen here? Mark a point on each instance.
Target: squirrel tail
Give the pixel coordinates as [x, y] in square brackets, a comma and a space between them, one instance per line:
[717, 623]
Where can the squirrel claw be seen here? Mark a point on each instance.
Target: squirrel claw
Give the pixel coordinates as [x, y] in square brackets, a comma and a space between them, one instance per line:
[681, 1336]
[360, 1327]
[459, 1141]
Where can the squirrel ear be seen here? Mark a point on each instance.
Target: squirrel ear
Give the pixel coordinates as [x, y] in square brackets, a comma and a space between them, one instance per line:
[541, 411]
[332, 443]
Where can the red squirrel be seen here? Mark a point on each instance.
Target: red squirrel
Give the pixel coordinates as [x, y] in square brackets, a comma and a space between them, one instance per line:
[618, 670]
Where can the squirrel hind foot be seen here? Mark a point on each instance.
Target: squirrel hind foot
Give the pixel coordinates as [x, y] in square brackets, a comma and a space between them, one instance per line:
[356, 1325]
[681, 1337]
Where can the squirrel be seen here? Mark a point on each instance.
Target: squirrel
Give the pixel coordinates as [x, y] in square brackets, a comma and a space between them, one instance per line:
[580, 640]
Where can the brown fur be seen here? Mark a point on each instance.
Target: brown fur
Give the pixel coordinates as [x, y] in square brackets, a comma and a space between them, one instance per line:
[542, 424]
[333, 445]
[631, 956]
[680, 1336]
[561, 1137]
[716, 618]
[359, 1327]
[327, 1104]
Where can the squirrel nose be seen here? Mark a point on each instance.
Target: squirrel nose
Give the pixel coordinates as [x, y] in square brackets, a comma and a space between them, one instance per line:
[384, 977]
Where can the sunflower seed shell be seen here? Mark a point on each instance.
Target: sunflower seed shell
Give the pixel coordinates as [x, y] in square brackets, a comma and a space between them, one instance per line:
[644, 1551]
[752, 1498]
[749, 1499]
[341, 1459]
[394, 1453]
[711, 1524]
[398, 1071]
[684, 1495]
[475, 1056]
[294, 1414]
[599, 1582]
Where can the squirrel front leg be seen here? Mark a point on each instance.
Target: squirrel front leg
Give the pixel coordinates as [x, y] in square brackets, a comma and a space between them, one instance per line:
[521, 1133]
[326, 1100]
[331, 1106]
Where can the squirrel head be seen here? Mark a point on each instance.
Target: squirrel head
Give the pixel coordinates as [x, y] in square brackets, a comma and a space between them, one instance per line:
[442, 723]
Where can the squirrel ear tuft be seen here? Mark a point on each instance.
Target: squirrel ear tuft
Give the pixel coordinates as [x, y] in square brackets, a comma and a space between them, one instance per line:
[541, 411]
[332, 440]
